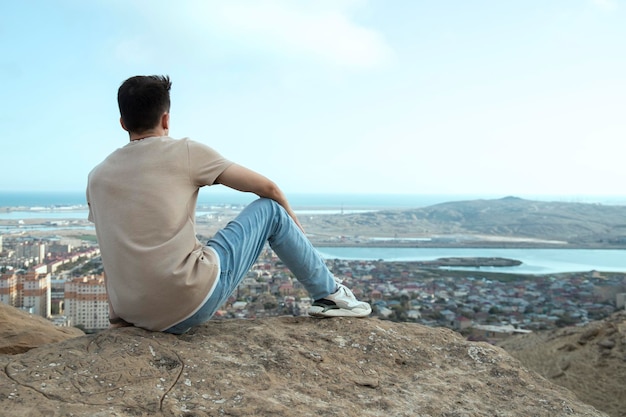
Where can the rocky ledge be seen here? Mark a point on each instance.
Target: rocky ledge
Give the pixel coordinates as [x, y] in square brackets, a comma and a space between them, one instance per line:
[287, 366]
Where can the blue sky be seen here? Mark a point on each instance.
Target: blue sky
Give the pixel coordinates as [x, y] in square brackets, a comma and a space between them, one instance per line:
[347, 96]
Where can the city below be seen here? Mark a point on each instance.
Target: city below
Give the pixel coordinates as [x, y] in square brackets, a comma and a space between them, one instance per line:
[68, 288]
[50, 266]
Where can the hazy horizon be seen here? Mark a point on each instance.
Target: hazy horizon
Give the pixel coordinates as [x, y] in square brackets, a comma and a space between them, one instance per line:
[223, 195]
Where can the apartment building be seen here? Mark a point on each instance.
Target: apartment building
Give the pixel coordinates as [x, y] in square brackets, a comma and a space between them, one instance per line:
[8, 289]
[36, 293]
[86, 303]
[30, 292]
[31, 250]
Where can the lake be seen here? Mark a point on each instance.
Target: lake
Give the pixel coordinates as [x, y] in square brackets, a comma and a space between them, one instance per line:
[534, 261]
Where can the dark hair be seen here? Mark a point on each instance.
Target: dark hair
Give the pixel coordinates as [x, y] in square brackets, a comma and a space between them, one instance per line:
[142, 101]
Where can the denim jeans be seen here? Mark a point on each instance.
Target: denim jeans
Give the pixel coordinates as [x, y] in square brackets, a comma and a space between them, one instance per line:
[239, 245]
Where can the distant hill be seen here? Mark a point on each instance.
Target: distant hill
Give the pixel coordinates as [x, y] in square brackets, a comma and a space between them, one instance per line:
[509, 221]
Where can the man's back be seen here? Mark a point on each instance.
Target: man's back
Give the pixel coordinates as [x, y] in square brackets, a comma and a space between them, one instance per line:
[142, 200]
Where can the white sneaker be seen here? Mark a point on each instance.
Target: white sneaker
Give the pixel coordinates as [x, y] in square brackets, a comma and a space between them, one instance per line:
[341, 303]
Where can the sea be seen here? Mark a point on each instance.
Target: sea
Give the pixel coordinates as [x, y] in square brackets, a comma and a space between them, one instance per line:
[311, 201]
[72, 205]
[334, 201]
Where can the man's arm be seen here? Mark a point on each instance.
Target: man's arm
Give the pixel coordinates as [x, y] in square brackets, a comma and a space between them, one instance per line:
[246, 180]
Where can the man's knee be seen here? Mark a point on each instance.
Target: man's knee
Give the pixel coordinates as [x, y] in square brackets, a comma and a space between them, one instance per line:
[267, 204]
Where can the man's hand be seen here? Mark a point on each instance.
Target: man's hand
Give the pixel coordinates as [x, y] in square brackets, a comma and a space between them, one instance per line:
[117, 323]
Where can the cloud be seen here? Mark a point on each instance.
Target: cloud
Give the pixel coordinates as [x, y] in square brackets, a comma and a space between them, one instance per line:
[605, 4]
[323, 33]
[316, 33]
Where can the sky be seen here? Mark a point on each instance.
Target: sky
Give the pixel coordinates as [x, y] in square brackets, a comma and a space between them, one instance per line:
[490, 97]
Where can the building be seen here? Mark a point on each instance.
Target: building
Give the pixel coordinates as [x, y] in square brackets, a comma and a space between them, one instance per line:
[30, 292]
[57, 296]
[253, 287]
[86, 303]
[31, 251]
[36, 294]
[8, 289]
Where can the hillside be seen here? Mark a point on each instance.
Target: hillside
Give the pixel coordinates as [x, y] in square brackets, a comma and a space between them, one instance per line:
[505, 221]
[20, 331]
[589, 360]
[283, 366]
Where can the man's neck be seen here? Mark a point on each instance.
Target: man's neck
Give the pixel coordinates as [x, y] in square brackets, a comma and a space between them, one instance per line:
[148, 134]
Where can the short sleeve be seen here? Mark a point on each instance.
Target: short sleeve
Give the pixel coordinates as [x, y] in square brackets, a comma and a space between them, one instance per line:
[205, 163]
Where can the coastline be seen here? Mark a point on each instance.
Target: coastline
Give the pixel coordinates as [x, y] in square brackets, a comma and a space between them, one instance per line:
[469, 245]
[218, 195]
[509, 259]
[329, 219]
[44, 224]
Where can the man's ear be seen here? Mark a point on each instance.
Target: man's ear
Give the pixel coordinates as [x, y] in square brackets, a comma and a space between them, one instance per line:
[165, 121]
[123, 125]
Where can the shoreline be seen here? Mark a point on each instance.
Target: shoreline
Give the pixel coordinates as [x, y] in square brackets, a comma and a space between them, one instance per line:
[474, 245]
[78, 227]
[380, 228]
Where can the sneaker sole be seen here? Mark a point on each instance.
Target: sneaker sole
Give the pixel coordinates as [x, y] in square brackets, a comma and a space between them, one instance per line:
[338, 312]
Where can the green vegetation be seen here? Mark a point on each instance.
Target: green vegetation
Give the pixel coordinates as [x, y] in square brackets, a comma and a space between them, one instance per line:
[86, 238]
[493, 276]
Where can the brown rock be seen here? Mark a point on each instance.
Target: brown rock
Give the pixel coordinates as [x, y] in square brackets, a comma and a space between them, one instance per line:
[21, 331]
[595, 372]
[606, 343]
[568, 347]
[589, 334]
[279, 366]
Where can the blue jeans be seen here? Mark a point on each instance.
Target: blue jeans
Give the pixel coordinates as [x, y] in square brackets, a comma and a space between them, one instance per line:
[239, 245]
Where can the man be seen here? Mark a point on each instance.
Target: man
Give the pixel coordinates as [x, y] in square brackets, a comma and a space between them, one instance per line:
[142, 200]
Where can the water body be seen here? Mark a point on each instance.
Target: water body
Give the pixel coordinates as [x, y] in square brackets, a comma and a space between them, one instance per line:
[534, 261]
[47, 214]
[55, 214]
[67, 205]
[56, 206]
[221, 195]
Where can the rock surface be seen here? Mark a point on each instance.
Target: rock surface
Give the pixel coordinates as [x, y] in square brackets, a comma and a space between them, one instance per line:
[287, 366]
[589, 360]
[21, 331]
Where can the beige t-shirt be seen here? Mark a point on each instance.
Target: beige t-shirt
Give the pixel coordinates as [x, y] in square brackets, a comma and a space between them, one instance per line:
[142, 200]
